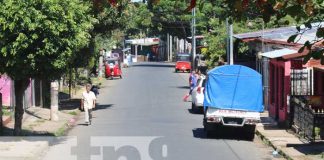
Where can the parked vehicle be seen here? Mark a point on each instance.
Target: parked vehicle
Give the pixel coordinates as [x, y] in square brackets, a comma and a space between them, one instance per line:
[232, 98]
[113, 68]
[183, 63]
[197, 94]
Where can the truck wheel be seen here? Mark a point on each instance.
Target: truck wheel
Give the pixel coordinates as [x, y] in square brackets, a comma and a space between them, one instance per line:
[249, 132]
[176, 71]
[120, 77]
[208, 133]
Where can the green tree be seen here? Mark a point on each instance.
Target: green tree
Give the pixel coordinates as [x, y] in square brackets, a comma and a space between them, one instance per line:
[169, 16]
[304, 12]
[38, 39]
[140, 21]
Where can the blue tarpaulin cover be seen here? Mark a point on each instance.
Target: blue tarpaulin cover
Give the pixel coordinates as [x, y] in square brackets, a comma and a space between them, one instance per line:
[234, 87]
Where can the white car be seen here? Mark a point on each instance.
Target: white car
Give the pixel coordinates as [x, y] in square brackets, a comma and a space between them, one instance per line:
[197, 94]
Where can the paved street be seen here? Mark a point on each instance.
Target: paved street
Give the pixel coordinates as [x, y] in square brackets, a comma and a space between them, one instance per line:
[142, 116]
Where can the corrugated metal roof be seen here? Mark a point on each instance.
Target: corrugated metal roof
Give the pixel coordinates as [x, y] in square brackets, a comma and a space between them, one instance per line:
[279, 53]
[282, 34]
[276, 33]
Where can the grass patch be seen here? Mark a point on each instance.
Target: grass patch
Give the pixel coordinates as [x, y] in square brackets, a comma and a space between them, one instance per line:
[74, 113]
[61, 131]
[6, 111]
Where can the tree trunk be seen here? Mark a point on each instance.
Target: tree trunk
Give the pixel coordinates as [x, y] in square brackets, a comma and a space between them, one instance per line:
[20, 87]
[70, 82]
[1, 122]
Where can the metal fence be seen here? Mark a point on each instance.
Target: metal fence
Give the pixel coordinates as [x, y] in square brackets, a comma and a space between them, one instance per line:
[306, 118]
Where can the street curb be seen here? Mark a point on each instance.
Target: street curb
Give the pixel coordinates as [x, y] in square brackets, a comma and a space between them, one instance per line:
[269, 143]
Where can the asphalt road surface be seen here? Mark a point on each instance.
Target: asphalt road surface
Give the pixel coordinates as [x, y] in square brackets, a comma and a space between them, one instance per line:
[142, 116]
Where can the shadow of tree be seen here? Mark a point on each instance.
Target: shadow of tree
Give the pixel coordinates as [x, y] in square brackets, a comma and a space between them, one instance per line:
[315, 148]
[9, 132]
[70, 104]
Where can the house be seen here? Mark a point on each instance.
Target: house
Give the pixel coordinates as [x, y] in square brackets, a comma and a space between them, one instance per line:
[7, 90]
[279, 63]
[31, 97]
[141, 47]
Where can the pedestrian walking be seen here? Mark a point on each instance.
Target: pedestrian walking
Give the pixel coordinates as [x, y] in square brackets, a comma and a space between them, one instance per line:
[95, 90]
[88, 103]
[192, 82]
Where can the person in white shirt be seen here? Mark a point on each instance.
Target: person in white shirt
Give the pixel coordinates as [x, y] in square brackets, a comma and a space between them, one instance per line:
[88, 103]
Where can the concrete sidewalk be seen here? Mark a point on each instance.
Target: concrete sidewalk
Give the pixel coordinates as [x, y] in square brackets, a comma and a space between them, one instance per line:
[286, 142]
[38, 132]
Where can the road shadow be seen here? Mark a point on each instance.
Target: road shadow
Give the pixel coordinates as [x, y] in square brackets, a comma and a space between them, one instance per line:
[225, 133]
[103, 106]
[82, 124]
[196, 111]
[113, 79]
[183, 87]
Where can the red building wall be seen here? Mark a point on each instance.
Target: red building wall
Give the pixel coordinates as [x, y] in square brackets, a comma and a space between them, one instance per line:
[279, 79]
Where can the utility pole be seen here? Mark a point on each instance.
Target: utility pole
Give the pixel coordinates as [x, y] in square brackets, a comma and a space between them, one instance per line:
[229, 42]
[54, 101]
[101, 54]
[171, 48]
[193, 25]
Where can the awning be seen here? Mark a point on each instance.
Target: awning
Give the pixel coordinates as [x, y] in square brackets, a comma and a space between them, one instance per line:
[278, 53]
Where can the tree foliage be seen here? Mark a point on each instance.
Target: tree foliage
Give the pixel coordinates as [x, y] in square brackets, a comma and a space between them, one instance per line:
[38, 39]
[110, 16]
[304, 12]
[169, 16]
[140, 20]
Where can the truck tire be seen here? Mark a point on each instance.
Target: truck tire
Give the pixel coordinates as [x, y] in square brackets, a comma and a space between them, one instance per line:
[249, 132]
[208, 133]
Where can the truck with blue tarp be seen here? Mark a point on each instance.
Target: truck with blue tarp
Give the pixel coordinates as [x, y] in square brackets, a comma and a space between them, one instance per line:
[232, 98]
